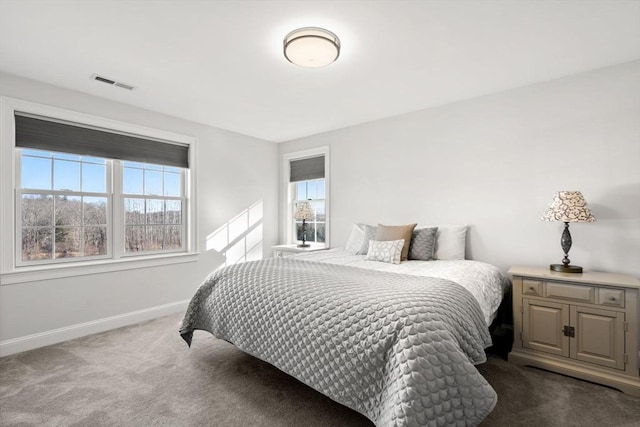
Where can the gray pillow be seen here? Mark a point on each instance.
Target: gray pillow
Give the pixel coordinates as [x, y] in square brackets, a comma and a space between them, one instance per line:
[423, 242]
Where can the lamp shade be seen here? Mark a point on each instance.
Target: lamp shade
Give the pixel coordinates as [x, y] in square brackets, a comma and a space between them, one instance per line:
[304, 211]
[311, 47]
[568, 206]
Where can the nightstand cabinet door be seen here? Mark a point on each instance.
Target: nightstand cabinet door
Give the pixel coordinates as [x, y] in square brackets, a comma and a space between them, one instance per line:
[599, 336]
[543, 324]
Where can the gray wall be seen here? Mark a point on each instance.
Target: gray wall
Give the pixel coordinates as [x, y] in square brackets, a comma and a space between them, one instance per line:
[494, 163]
[234, 172]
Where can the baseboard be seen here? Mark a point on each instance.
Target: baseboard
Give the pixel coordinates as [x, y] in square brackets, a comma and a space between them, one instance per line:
[625, 381]
[54, 336]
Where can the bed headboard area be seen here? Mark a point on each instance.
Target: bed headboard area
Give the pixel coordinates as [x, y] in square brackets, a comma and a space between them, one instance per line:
[439, 242]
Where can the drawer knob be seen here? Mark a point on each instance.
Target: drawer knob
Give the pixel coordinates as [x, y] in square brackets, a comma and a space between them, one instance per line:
[612, 298]
[532, 289]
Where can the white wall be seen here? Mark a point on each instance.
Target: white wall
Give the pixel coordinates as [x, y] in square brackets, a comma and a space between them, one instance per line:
[234, 173]
[494, 163]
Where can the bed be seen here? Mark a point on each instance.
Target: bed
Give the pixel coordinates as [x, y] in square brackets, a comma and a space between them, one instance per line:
[394, 342]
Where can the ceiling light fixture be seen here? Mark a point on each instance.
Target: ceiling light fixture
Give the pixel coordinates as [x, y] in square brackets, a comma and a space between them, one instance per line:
[311, 47]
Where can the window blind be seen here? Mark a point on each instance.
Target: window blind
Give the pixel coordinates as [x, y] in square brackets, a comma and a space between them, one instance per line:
[43, 134]
[305, 169]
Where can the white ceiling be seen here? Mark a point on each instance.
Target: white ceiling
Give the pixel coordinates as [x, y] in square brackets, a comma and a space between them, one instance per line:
[221, 63]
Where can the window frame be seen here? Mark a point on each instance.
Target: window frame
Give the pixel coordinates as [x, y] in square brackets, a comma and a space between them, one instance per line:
[11, 271]
[287, 227]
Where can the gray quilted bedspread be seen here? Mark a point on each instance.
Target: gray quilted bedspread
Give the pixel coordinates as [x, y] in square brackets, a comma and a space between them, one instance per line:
[399, 349]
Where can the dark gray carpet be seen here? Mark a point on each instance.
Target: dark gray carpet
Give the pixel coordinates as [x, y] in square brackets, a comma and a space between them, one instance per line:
[144, 375]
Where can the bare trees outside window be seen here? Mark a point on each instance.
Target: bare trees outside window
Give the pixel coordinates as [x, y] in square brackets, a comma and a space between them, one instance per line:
[63, 226]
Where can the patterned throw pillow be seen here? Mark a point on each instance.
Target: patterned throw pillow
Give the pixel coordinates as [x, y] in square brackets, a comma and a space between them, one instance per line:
[385, 251]
[358, 243]
[423, 243]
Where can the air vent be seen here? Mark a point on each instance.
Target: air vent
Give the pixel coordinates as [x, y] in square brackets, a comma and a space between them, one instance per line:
[124, 86]
[112, 82]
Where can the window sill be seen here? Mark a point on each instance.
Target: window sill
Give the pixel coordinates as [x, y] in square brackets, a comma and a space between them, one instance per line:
[32, 274]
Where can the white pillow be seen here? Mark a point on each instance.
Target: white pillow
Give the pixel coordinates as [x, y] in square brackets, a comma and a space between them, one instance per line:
[451, 242]
[358, 243]
[385, 251]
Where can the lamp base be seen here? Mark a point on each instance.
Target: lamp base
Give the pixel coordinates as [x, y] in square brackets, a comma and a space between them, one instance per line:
[304, 245]
[566, 268]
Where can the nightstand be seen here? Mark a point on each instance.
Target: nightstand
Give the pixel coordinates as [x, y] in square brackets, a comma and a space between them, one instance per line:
[280, 251]
[578, 324]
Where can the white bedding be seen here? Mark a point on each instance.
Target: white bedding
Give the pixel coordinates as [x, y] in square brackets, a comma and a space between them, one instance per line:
[484, 281]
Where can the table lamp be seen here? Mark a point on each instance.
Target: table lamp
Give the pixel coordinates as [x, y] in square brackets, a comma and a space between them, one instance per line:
[567, 206]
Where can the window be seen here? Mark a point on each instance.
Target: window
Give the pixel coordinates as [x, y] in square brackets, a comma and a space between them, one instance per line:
[66, 210]
[313, 192]
[90, 192]
[307, 182]
[153, 200]
[64, 205]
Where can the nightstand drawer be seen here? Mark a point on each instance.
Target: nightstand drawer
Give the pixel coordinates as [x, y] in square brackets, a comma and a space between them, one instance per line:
[570, 292]
[611, 297]
[532, 287]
